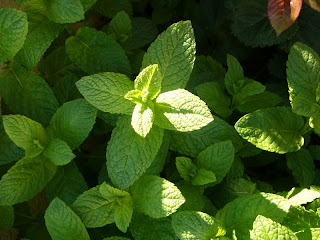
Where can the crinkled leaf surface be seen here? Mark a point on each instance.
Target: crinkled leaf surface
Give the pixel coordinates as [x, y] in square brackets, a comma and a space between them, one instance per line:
[58, 152]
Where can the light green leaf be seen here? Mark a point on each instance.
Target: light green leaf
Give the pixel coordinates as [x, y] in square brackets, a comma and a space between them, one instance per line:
[196, 225]
[264, 228]
[63, 223]
[299, 218]
[213, 93]
[58, 152]
[186, 168]
[135, 96]
[192, 143]
[240, 214]
[120, 27]
[41, 31]
[106, 92]
[67, 184]
[25, 179]
[7, 218]
[217, 158]
[94, 51]
[13, 32]
[303, 75]
[24, 91]
[73, 122]
[123, 213]
[250, 88]
[93, 208]
[303, 196]
[149, 81]
[314, 123]
[203, 177]
[143, 227]
[302, 167]
[64, 11]
[156, 196]
[142, 118]
[234, 78]
[182, 111]
[274, 129]
[174, 52]
[25, 133]
[111, 193]
[128, 154]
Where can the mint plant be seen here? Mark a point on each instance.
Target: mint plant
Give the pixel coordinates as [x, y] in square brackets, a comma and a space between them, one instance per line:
[144, 119]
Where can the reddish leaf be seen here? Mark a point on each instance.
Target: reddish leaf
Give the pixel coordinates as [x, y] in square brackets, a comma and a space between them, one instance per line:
[283, 13]
[315, 4]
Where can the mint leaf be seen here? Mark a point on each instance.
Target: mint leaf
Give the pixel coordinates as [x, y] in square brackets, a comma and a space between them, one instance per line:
[193, 195]
[13, 32]
[63, 223]
[120, 27]
[251, 87]
[87, 4]
[116, 238]
[94, 51]
[182, 111]
[303, 69]
[25, 179]
[303, 196]
[196, 225]
[156, 196]
[265, 228]
[176, 59]
[272, 129]
[149, 81]
[203, 177]
[25, 133]
[64, 11]
[72, 122]
[109, 8]
[25, 91]
[299, 218]
[106, 92]
[217, 158]
[192, 143]
[302, 167]
[93, 208]
[240, 214]
[67, 184]
[135, 96]
[142, 118]
[234, 78]
[128, 154]
[7, 218]
[186, 168]
[43, 32]
[58, 152]
[213, 93]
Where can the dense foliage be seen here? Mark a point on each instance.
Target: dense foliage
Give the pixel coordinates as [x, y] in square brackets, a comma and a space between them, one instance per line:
[160, 120]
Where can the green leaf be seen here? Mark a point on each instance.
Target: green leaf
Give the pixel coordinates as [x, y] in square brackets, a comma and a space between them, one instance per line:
[128, 154]
[182, 111]
[192, 143]
[143, 227]
[234, 78]
[194, 199]
[156, 196]
[203, 177]
[58, 152]
[94, 51]
[274, 129]
[240, 214]
[176, 59]
[7, 218]
[25, 133]
[196, 225]
[314, 151]
[67, 184]
[109, 8]
[72, 122]
[149, 81]
[94, 209]
[251, 87]
[142, 118]
[186, 168]
[106, 92]
[87, 4]
[217, 158]
[116, 238]
[303, 75]
[41, 31]
[24, 91]
[265, 228]
[120, 27]
[302, 167]
[63, 223]
[298, 218]
[25, 179]
[64, 11]
[303, 196]
[13, 32]
[213, 93]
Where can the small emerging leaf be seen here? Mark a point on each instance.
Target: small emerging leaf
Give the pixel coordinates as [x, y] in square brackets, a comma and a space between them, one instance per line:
[58, 152]
[142, 118]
